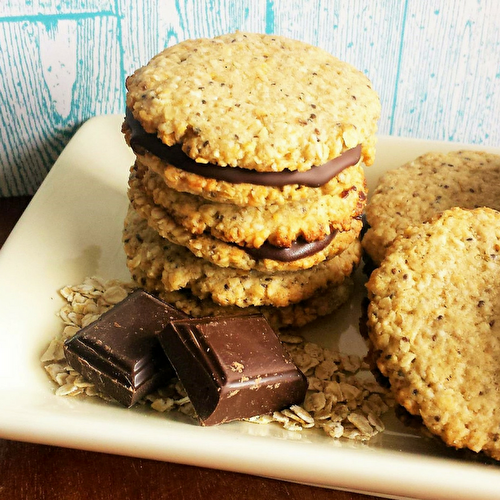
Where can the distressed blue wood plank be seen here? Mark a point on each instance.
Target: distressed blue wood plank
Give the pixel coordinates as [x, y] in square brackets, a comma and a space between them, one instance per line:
[52, 79]
[193, 19]
[16, 8]
[450, 73]
[139, 28]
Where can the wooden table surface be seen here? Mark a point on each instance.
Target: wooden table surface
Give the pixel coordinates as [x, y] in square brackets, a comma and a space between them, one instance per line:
[32, 472]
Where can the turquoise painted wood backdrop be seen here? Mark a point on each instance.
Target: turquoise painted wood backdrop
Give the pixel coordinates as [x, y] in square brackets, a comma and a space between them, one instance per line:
[435, 63]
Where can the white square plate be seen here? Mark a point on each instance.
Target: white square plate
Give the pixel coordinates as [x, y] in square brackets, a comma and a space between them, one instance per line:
[72, 229]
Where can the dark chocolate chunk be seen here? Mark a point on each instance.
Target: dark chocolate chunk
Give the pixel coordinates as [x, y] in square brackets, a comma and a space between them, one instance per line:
[315, 177]
[232, 367]
[120, 352]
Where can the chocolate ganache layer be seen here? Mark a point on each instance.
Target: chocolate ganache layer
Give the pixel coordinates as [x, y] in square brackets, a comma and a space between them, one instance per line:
[299, 249]
[315, 177]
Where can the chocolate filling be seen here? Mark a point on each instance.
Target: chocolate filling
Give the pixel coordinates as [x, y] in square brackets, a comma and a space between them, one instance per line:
[315, 177]
[298, 250]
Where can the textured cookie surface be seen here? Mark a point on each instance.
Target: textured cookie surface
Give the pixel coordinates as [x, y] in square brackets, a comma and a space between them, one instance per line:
[321, 303]
[434, 317]
[244, 194]
[279, 225]
[178, 268]
[286, 104]
[225, 254]
[426, 186]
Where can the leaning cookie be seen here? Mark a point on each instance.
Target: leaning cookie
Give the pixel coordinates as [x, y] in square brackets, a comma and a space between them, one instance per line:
[278, 225]
[420, 189]
[434, 319]
[178, 268]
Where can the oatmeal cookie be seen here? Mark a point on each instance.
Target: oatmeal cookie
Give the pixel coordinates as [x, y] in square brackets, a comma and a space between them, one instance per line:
[246, 194]
[178, 268]
[430, 184]
[296, 315]
[279, 225]
[225, 254]
[434, 319]
[255, 101]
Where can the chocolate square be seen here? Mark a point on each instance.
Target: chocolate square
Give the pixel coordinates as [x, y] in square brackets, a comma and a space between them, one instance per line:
[232, 367]
[120, 352]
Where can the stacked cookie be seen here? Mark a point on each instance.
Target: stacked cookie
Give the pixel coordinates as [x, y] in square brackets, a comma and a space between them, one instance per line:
[248, 186]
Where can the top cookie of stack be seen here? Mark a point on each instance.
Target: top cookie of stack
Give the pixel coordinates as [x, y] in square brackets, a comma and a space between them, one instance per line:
[249, 152]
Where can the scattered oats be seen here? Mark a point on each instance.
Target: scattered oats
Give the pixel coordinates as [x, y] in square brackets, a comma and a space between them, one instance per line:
[291, 339]
[84, 304]
[187, 409]
[67, 293]
[292, 426]
[349, 392]
[115, 294]
[54, 352]
[352, 404]
[61, 377]
[71, 378]
[75, 318]
[361, 422]
[314, 384]
[68, 390]
[180, 388]
[82, 383]
[376, 422]
[378, 402]
[340, 412]
[69, 331]
[183, 401]
[91, 391]
[305, 361]
[343, 399]
[333, 356]
[288, 413]
[350, 363]
[63, 314]
[303, 414]
[280, 417]
[326, 412]
[365, 365]
[332, 388]
[89, 318]
[313, 350]
[315, 401]
[354, 433]
[261, 419]
[163, 405]
[340, 400]
[333, 429]
[375, 388]
[325, 369]
[54, 369]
